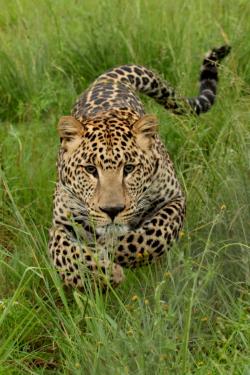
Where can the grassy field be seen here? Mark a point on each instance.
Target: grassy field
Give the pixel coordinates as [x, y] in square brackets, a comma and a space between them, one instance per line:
[190, 314]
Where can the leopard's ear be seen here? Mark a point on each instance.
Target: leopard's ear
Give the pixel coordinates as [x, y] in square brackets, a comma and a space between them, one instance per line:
[144, 129]
[70, 131]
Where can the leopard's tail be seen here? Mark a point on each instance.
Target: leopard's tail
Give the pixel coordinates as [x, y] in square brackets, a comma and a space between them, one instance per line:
[208, 83]
[143, 80]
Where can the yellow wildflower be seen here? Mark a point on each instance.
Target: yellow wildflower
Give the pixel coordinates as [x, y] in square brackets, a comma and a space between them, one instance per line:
[204, 319]
[167, 274]
[134, 298]
[163, 357]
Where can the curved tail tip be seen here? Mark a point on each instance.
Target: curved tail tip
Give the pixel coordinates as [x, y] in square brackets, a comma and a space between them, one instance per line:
[221, 52]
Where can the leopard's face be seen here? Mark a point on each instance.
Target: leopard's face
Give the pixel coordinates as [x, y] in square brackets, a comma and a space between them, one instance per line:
[107, 166]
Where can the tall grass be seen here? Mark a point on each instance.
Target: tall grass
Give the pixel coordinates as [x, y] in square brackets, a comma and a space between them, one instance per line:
[188, 314]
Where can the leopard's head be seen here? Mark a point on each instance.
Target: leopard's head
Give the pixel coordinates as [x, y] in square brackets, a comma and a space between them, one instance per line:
[107, 164]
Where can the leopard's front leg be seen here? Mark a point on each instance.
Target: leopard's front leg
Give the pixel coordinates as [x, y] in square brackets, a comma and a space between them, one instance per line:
[153, 237]
[73, 260]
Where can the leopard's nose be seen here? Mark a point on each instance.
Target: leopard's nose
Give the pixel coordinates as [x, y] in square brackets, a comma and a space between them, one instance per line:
[112, 212]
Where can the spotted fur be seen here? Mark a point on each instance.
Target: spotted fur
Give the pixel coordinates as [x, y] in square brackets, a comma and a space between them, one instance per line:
[117, 201]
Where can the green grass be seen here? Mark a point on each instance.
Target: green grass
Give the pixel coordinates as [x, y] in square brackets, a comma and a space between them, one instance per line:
[190, 314]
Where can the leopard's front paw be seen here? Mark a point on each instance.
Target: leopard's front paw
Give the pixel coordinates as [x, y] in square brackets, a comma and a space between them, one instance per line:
[117, 275]
[108, 273]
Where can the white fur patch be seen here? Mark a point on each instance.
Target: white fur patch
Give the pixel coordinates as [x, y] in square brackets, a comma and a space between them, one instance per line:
[112, 230]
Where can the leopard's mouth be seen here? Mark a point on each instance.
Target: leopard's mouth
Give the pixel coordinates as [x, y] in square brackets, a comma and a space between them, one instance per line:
[112, 230]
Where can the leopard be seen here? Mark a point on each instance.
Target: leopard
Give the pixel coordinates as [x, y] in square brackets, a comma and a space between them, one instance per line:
[118, 202]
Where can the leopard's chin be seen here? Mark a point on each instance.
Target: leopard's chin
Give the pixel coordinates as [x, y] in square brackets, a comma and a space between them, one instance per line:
[112, 230]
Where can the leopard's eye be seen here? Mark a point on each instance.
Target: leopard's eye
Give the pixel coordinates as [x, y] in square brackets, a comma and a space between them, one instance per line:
[128, 168]
[91, 169]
